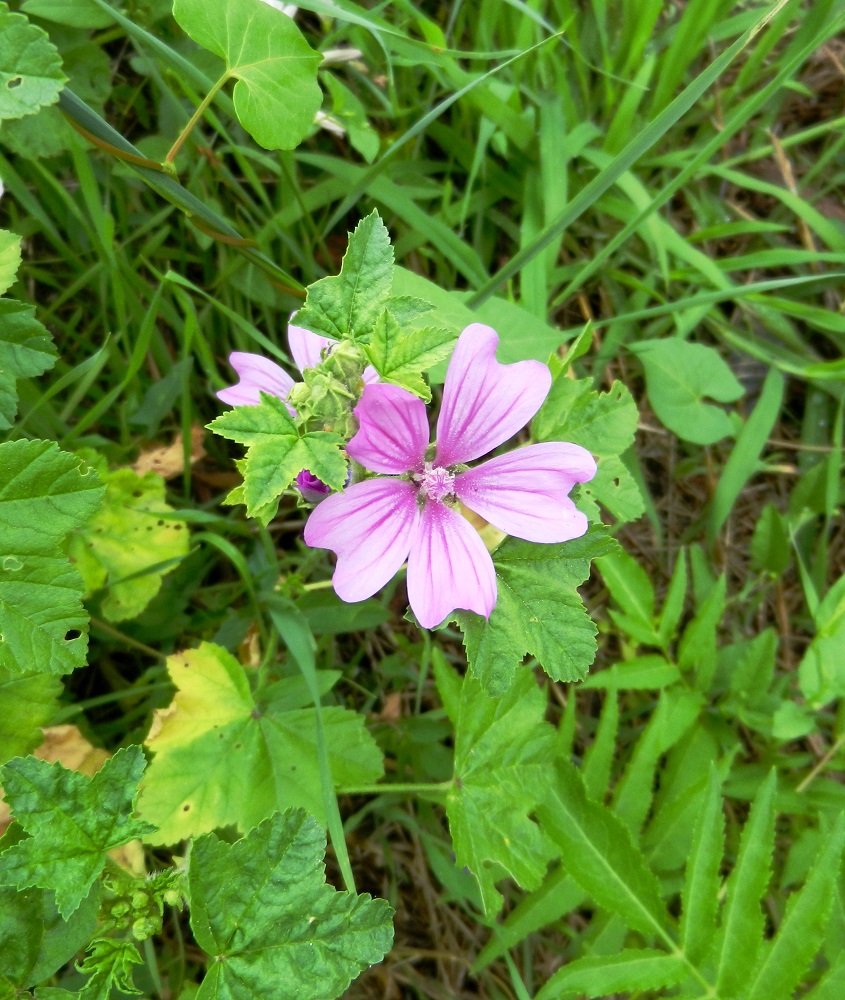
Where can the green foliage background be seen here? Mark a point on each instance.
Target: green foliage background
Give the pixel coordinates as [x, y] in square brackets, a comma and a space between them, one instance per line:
[645, 195]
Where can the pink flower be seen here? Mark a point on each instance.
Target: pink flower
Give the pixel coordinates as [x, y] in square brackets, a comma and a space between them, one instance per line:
[373, 526]
[257, 374]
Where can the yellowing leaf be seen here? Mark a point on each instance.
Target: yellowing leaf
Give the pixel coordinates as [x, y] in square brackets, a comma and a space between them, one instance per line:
[10, 258]
[169, 460]
[221, 756]
[130, 543]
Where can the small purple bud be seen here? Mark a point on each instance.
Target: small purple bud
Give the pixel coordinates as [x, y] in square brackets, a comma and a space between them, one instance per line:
[313, 490]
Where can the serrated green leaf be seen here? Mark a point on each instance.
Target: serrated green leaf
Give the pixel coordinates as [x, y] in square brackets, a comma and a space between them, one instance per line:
[72, 822]
[679, 377]
[401, 356]
[10, 260]
[109, 965]
[262, 909]
[741, 931]
[599, 854]
[598, 759]
[44, 496]
[629, 971]
[349, 304]
[603, 423]
[26, 350]
[700, 896]
[502, 750]
[123, 545]
[801, 932]
[30, 67]
[832, 985]
[538, 611]
[35, 698]
[276, 454]
[35, 942]
[277, 95]
[220, 758]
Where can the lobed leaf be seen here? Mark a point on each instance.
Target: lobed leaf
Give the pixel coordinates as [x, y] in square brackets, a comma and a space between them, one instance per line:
[130, 543]
[73, 821]
[276, 454]
[35, 697]
[538, 611]
[10, 259]
[262, 910]
[401, 356]
[220, 757]
[26, 350]
[277, 95]
[349, 304]
[502, 749]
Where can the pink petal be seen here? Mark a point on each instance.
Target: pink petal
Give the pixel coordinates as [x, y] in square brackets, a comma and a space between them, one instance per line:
[485, 402]
[370, 375]
[256, 375]
[393, 435]
[525, 492]
[369, 527]
[306, 347]
[448, 567]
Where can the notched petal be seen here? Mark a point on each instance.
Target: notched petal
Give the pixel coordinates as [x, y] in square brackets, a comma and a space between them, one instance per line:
[393, 434]
[256, 375]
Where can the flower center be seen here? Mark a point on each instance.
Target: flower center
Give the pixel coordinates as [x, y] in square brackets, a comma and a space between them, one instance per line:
[435, 482]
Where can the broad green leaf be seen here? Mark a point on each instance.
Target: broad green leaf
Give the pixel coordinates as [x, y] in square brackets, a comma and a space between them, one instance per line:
[74, 13]
[276, 454]
[349, 304]
[801, 932]
[600, 975]
[599, 854]
[10, 259]
[401, 356]
[35, 698]
[502, 753]
[26, 350]
[35, 942]
[109, 965]
[123, 546]
[603, 423]
[220, 757]
[538, 611]
[679, 377]
[43, 497]
[73, 821]
[262, 910]
[30, 67]
[700, 896]
[277, 95]
[741, 931]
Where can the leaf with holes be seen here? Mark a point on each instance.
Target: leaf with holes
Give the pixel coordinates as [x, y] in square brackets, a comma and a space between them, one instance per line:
[44, 496]
[262, 909]
[277, 95]
[30, 67]
[130, 543]
[222, 757]
[72, 822]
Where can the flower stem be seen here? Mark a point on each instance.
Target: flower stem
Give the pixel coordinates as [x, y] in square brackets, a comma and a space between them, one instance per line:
[195, 117]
